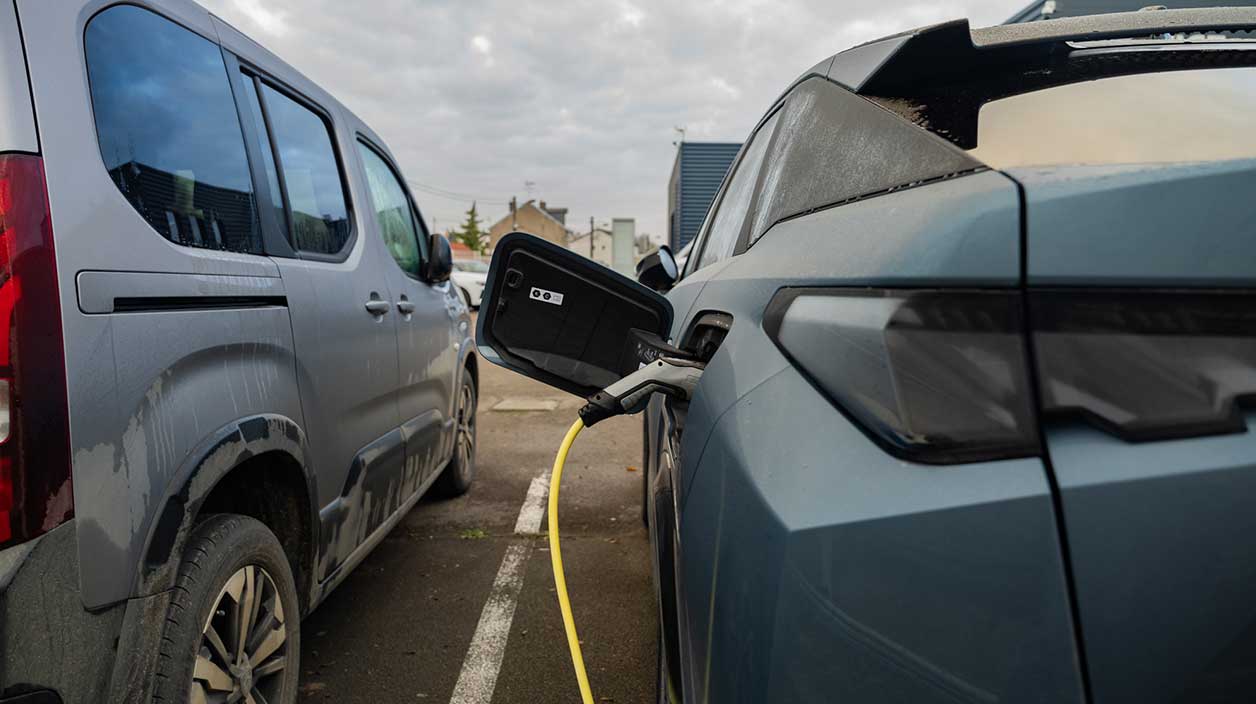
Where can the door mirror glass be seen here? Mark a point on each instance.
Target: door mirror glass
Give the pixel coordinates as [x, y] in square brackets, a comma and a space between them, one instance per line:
[440, 261]
[658, 269]
[557, 317]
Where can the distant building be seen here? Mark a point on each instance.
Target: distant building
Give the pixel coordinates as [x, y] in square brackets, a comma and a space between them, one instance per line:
[534, 219]
[602, 253]
[459, 250]
[559, 214]
[696, 176]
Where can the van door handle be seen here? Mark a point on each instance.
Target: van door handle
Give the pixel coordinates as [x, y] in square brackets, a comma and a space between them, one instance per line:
[404, 306]
[377, 307]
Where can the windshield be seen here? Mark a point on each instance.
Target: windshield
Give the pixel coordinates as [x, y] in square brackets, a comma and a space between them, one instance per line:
[477, 267]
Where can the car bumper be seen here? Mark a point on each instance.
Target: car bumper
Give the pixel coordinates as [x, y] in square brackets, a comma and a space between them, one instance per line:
[816, 567]
[52, 650]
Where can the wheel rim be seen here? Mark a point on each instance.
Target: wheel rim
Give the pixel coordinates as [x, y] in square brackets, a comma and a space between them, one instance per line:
[466, 429]
[244, 646]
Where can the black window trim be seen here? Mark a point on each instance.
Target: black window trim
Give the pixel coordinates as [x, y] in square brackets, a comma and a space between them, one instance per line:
[262, 78]
[275, 239]
[420, 229]
[244, 127]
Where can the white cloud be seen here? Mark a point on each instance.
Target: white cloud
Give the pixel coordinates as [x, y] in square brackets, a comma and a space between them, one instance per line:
[581, 98]
[724, 87]
[631, 15]
[269, 21]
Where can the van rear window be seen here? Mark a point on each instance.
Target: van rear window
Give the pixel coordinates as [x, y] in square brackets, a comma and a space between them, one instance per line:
[168, 129]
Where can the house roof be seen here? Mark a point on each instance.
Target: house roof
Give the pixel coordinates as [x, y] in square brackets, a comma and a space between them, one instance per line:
[531, 204]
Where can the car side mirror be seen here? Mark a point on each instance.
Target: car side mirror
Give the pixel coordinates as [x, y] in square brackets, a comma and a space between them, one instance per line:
[567, 321]
[440, 260]
[658, 269]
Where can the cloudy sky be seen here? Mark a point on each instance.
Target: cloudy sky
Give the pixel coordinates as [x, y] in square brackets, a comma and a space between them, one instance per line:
[478, 97]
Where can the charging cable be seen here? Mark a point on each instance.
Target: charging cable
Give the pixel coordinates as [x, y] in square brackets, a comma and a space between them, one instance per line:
[675, 377]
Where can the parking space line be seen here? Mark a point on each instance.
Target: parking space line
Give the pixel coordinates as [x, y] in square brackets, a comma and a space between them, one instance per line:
[483, 662]
[533, 510]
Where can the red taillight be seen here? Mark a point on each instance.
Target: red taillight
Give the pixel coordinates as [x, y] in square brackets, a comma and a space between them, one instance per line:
[35, 487]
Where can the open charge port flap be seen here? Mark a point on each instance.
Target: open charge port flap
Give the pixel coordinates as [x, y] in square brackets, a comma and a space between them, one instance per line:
[706, 334]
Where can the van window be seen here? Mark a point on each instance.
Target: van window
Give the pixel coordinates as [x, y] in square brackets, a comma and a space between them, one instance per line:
[168, 129]
[311, 175]
[393, 213]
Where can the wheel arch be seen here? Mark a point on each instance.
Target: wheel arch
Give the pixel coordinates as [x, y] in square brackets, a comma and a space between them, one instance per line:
[266, 451]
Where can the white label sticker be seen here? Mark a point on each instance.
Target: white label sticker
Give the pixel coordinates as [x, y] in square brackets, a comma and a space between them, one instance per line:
[540, 294]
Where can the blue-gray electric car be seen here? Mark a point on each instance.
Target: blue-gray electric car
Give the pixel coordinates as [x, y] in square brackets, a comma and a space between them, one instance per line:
[977, 310]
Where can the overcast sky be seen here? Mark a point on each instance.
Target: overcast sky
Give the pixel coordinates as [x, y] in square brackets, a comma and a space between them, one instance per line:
[477, 97]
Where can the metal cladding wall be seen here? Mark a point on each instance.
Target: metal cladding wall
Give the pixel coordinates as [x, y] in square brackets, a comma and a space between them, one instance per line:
[696, 176]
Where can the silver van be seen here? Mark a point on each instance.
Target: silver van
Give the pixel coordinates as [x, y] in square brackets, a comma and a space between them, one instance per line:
[233, 361]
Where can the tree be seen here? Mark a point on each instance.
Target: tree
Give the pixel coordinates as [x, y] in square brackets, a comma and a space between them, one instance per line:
[470, 234]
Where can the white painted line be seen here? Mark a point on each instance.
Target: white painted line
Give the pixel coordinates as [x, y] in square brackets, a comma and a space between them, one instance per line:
[533, 510]
[525, 404]
[488, 646]
[483, 662]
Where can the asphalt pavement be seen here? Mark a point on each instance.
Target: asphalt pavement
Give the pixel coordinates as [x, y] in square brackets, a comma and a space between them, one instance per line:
[427, 617]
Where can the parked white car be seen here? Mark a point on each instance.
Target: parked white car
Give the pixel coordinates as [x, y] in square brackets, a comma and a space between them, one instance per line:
[469, 276]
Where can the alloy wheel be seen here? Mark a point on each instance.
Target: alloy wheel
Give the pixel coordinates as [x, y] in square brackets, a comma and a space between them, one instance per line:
[244, 646]
[466, 428]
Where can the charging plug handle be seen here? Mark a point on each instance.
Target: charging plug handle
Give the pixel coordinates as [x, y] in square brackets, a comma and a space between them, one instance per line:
[667, 375]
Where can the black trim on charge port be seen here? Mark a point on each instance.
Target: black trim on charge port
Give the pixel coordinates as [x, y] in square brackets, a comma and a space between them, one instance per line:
[150, 304]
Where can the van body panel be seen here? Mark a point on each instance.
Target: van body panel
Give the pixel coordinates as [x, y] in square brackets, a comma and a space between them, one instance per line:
[17, 117]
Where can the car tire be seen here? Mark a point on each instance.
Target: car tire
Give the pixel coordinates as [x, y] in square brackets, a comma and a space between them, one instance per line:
[233, 572]
[466, 297]
[458, 474]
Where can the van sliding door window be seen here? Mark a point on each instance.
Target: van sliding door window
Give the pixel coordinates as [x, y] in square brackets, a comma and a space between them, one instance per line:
[311, 175]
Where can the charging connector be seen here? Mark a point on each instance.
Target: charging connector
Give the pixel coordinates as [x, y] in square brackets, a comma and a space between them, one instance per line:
[672, 376]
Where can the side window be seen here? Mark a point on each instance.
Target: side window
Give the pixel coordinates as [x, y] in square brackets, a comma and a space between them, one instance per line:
[168, 130]
[392, 211]
[730, 214]
[307, 166]
[836, 146]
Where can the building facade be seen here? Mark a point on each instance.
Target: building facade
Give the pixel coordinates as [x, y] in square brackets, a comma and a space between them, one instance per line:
[533, 218]
[697, 173]
[601, 251]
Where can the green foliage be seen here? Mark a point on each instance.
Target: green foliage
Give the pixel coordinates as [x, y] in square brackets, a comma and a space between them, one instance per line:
[470, 233]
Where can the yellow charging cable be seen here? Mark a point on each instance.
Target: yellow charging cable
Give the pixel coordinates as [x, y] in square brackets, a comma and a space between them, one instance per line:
[556, 558]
